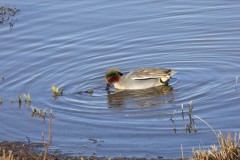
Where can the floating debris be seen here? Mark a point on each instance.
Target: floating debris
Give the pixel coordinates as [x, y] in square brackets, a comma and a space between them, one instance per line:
[34, 111]
[95, 141]
[6, 14]
[56, 91]
[90, 91]
[1, 100]
[40, 113]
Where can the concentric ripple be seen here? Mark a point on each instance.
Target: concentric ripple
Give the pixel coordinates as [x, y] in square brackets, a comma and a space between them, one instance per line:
[72, 44]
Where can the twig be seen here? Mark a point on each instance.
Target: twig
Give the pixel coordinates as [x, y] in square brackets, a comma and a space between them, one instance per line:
[182, 152]
[28, 140]
[172, 115]
[50, 132]
[182, 112]
[208, 126]
[43, 138]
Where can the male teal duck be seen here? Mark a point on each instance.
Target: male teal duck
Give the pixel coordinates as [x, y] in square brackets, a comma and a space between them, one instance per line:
[139, 79]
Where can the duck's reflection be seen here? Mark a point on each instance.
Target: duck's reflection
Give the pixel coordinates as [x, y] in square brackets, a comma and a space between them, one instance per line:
[139, 98]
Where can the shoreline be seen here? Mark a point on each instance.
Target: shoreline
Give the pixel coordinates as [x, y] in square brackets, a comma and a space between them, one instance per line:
[28, 151]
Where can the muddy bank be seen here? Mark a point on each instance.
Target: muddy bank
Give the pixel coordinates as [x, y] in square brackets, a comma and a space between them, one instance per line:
[33, 151]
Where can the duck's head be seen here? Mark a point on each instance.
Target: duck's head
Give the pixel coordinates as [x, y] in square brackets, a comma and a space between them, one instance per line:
[113, 75]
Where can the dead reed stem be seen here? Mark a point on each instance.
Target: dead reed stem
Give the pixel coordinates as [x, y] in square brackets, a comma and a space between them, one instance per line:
[50, 132]
[228, 147]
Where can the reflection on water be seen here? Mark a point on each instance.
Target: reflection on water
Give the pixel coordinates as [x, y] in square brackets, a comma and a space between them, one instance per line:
[139, 98]
[73, 43]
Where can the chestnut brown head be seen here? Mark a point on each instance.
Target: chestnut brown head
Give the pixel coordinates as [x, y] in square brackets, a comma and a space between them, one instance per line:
[113, 75]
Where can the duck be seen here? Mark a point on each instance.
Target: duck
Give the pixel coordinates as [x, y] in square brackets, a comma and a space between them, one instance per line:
[142, 78]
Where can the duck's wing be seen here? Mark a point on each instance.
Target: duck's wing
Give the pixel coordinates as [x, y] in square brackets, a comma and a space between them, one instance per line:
[151, 73]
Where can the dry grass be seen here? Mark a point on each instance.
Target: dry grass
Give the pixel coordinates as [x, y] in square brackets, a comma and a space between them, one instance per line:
[228, 149]
[6, 156]
[50, 132]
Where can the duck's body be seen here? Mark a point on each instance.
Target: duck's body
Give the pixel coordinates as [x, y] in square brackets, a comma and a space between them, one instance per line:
[139, 79]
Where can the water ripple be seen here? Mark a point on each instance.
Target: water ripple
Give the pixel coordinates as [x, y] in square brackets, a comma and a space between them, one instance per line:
[72, 44]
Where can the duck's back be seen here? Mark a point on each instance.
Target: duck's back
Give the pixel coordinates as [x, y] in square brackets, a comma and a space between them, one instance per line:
[144, 78]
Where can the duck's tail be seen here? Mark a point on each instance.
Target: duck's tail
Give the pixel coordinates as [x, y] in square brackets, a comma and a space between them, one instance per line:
[165, 79]
[172, 72]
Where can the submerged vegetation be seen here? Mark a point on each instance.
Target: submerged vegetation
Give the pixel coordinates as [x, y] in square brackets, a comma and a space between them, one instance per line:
[57, 92]
[7, 13]
[90, 91]
[227, 148]
[189, 123]
[26, 100]
[39, 113]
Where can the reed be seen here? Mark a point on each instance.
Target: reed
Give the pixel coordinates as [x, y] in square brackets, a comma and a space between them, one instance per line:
[57, 92]
[228, 147]
[50, 133]
[27, 98]
[6, 155]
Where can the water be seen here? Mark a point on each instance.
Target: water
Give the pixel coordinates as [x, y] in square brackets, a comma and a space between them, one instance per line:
[72, 43]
